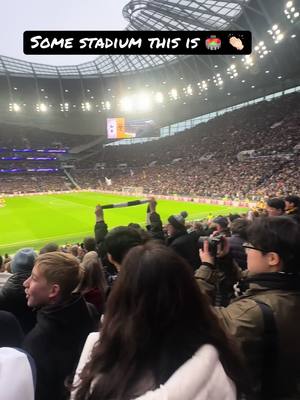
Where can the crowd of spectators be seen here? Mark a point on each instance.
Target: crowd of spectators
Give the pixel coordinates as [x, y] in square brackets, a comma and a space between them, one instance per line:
[206, 160]
[205, 310]
[34, 183]
[159, 337]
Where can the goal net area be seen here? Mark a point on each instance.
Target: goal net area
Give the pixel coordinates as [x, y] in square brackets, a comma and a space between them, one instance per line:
[132, 189]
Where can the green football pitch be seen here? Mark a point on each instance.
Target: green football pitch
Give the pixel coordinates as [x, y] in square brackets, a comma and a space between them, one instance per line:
[33, 221]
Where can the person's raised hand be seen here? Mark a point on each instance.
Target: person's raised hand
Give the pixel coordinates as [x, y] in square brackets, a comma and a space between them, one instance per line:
[205, 254]
[99, 213]
[152, 204]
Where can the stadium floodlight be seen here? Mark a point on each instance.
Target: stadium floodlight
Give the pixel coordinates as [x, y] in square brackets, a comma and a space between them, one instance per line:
[159, 97]
[64, 107]
[126, 104]
[188, 91]
[218, 81]
[248, 61]
[14, 107]
[173, 94]
[106, 105]
[41, 107]
[261, 49]
[202, 86]
[86, 106]
[232, 71]
[143, 102]
[276, 34]
[290, 12]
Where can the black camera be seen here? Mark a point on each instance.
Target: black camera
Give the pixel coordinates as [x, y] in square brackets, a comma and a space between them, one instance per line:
[215, 243]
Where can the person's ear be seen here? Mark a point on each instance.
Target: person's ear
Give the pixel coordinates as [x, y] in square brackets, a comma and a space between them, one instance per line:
[274, 259]
[54, 292]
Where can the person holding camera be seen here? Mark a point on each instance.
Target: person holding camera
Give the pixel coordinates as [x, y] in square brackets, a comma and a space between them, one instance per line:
[264, 316]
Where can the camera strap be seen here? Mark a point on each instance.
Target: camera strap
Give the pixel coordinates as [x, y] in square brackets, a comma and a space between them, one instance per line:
[270, 349]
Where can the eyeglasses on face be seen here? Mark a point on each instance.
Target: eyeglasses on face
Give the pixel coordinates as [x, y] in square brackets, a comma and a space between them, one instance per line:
[250, 246]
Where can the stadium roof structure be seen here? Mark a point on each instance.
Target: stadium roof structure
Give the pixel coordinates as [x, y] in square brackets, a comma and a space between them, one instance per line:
[144, 15]
[167, 89]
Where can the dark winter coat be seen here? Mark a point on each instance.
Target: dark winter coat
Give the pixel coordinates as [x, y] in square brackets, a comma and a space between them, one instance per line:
[55, 344]
[243, 318]
[13, 299]
[186, 245]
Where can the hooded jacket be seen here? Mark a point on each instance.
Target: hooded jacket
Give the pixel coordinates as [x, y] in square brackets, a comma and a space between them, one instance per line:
[55, 344]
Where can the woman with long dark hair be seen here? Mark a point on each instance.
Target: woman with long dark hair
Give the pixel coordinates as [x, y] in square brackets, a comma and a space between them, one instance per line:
[156, 320]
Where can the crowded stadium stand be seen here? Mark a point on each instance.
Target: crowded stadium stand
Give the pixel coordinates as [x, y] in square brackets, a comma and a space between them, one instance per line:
[86, 224]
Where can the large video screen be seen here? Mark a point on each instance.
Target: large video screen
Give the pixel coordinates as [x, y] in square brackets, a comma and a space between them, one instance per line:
[121, 128]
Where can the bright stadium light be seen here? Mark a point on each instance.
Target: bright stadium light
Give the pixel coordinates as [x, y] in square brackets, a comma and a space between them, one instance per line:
[14, 107]
[41, 107]
[290, 12]
[248, 61]
[126, 104]
[106, 105]
[232, 71]
[64, 107]
[276, 34]
[143, 102]
[218, 81]
[159, 97]
[261, 49]
[188, 91]
[86, 106]
[173, 94]
[202, 86]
